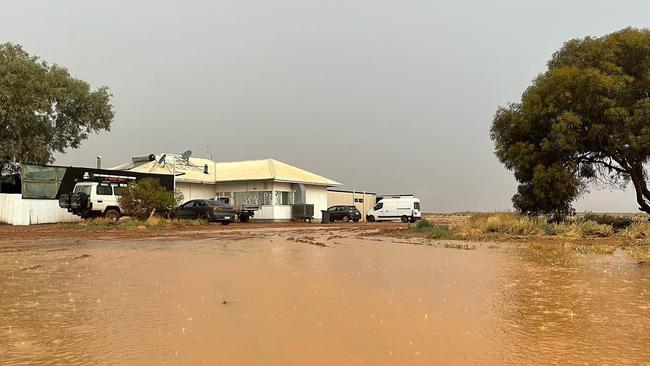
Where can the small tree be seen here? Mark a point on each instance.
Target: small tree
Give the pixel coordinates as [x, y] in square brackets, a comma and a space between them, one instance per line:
[585, 120]
[140, 198]
[43, 109]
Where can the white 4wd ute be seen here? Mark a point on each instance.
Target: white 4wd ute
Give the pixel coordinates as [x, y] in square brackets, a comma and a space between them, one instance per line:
[92, 199]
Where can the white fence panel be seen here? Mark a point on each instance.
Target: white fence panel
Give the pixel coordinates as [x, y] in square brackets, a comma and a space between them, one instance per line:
[18, 211]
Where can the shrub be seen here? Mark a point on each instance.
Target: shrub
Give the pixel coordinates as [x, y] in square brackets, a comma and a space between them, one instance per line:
[592, 228]
[141, 197]
[616, 222]
[503, 224]
[433, 231]
[423, 224]
[638, 230]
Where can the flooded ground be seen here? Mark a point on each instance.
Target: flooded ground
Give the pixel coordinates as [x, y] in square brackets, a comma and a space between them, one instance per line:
[308, 296]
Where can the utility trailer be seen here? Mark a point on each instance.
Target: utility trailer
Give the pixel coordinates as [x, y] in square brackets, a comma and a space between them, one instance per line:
[244, 212]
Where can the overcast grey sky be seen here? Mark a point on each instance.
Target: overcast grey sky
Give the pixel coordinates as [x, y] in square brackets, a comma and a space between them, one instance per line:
[390, 96]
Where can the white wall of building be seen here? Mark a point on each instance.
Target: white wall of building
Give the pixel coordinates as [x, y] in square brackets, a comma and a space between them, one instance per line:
[15, 210]
[316, 195]
[193, 191]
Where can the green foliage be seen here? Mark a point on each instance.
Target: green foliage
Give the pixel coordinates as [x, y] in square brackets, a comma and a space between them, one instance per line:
[617, 222]
[585, 120]
[43, 109]
[433, 231]
[141, 197]
[593, 229]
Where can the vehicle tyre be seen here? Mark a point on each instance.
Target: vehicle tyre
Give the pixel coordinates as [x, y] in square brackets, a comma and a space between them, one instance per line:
[345, 218]
[370, 218]
[356, 220]
[112, 214]
[225, 222]
[412, 220]
[405, 219]
[244, 218]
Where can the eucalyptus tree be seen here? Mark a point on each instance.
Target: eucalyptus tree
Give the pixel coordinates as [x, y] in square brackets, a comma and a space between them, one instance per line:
[584, 121]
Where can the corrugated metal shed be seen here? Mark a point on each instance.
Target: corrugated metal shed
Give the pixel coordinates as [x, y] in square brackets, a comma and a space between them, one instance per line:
[193, 170]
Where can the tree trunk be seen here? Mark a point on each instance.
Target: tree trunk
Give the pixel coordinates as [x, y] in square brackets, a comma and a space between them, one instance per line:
[641, 189]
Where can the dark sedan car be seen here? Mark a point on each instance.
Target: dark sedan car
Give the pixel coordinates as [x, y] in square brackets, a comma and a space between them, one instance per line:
[344, 213]
[213, 211]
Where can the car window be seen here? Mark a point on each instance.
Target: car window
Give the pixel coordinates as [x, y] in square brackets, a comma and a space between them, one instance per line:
[416, 205]
[104, 190]
[187, 204]
[379, 206]
[83, 188]
[117, 190]
[333, 208]
[200, 204]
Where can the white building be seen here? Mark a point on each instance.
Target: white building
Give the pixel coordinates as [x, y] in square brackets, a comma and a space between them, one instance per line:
[268, 183]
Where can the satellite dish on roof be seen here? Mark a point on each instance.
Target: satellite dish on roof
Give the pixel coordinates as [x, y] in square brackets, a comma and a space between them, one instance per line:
[186, 155]
[161, 161]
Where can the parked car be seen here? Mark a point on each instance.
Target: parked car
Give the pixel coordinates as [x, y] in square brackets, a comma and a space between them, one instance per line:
[210, 210]
[344, 213]
[243, 212]
[94, 199]
[406, 209]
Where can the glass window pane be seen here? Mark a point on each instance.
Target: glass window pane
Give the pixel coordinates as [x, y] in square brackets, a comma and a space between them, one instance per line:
[104, 190]
[39, 190]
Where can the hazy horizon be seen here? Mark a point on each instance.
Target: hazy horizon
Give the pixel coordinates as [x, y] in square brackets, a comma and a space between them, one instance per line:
[384, 96]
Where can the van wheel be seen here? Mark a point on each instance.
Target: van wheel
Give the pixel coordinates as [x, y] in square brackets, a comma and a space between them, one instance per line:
[413, 220]
[405, 219]
[225, 222]
[112, 214]
[345, 218]
[370, 218]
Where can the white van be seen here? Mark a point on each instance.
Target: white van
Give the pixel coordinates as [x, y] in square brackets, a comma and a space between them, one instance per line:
[406, 209]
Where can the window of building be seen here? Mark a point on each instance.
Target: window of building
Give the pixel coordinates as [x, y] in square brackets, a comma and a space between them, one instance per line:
[284, 198]
[253, 198]
[358, 200]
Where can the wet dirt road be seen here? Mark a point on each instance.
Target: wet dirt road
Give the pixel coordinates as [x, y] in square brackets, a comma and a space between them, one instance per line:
[309, 296]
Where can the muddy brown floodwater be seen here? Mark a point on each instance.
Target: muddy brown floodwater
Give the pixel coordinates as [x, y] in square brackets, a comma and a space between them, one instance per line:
[313, 297]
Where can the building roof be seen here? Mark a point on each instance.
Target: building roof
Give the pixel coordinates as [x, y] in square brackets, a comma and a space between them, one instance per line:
[248, 170]
[356, 191]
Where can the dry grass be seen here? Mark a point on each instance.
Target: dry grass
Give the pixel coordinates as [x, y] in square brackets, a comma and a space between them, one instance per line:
[154, 223]
[602, 234]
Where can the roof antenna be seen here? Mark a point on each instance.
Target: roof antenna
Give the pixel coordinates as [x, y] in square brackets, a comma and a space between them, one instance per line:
[207, 148]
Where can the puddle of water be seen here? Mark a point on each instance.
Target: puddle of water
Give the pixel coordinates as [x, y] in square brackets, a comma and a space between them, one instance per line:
[275, 302]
